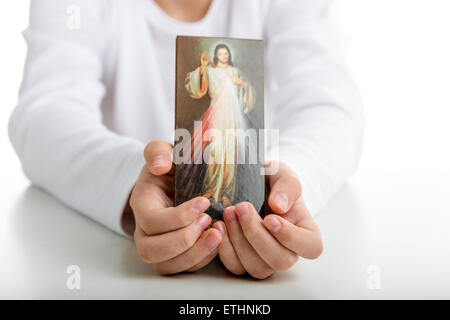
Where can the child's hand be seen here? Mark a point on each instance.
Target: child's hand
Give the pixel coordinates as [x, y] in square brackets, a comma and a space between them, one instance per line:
[262, 246]
[171, 238]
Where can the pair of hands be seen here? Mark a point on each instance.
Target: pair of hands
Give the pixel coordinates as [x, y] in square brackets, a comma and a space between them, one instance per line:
[174, 239]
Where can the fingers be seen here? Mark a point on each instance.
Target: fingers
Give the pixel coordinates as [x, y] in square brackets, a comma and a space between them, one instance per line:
[250, 260]
[210, 257]
[158, 155]
[277, 256]
[285, 189]
[227, 253]
[163, 247]
[160, 220]
[305, 243]
[205, 246]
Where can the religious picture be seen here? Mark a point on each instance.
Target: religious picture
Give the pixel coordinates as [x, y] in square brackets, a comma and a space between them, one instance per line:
[219, 121]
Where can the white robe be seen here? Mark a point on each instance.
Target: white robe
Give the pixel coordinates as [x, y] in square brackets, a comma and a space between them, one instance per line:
[223, 125]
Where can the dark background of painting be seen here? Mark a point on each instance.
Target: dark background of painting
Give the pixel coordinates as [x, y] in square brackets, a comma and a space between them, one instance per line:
[248, 57]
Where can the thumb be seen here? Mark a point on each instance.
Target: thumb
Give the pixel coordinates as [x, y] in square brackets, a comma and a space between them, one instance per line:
[285, 189]
[158, 156]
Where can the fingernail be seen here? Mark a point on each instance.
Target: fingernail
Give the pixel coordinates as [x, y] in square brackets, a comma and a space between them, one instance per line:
[159, 161]
[203, 221]
[282, 201]
[220, 227]
[201, 204]
[211, 242]
[229, 215]
[272, 224]
[242, 209]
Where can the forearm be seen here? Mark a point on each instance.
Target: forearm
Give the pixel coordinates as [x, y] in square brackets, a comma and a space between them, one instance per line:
[315, 103]
[76, 159]
[56, 128]
[324, 151]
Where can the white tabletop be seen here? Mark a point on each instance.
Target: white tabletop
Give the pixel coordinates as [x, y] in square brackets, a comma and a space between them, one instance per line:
[381, 241]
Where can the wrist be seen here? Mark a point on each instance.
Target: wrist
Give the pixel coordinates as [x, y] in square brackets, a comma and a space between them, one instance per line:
[128, 222]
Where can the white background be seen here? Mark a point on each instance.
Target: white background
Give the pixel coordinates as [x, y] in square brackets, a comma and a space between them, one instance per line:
[13, 19]
[397, 205]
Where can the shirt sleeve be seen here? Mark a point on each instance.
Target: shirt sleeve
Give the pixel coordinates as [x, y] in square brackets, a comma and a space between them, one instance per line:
[314, 102]
[56, 128]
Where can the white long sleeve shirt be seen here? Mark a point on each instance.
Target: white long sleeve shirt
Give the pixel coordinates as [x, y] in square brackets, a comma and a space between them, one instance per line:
[99, 84]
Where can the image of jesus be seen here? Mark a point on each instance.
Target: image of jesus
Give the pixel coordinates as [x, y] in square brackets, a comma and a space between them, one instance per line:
[232, 97]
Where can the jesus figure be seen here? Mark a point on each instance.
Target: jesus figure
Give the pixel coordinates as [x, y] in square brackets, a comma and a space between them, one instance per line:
[231, 99]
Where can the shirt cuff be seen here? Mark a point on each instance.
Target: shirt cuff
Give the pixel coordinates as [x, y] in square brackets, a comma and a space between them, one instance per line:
[120, 191]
